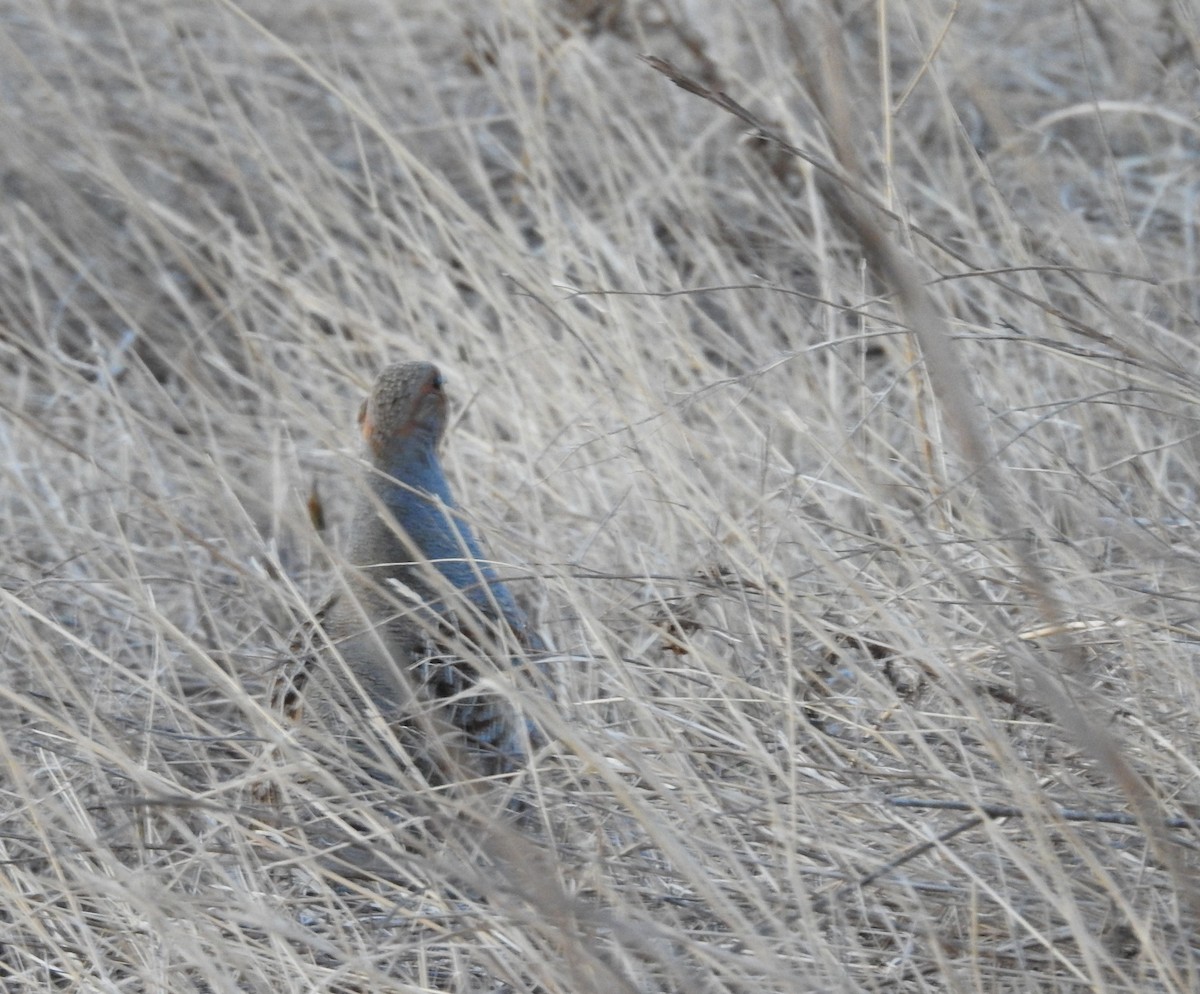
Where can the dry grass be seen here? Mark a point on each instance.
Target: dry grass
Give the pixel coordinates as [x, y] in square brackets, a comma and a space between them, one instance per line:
[691, 418]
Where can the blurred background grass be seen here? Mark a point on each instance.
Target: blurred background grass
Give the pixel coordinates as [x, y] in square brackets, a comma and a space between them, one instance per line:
[688, 416]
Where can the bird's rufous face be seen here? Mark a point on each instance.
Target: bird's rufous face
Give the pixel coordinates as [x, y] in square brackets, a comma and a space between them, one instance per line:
[407, 404]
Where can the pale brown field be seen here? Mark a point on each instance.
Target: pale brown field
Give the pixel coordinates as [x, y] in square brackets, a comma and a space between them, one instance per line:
[828, 501]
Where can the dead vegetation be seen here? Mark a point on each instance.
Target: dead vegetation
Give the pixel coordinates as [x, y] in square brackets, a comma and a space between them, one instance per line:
[845, 449]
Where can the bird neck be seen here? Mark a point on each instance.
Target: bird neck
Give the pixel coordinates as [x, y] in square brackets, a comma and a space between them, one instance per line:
[417, 496]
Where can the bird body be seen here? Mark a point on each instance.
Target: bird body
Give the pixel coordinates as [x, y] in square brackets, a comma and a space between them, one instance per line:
[410, 510]
[420, 607]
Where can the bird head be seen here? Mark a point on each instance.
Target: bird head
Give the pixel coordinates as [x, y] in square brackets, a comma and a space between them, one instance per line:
[404, 415]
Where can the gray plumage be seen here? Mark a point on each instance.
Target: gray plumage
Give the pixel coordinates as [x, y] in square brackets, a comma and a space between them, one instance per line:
[421, 612]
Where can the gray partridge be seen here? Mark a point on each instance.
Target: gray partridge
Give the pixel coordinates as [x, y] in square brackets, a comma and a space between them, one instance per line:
[421, 605]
